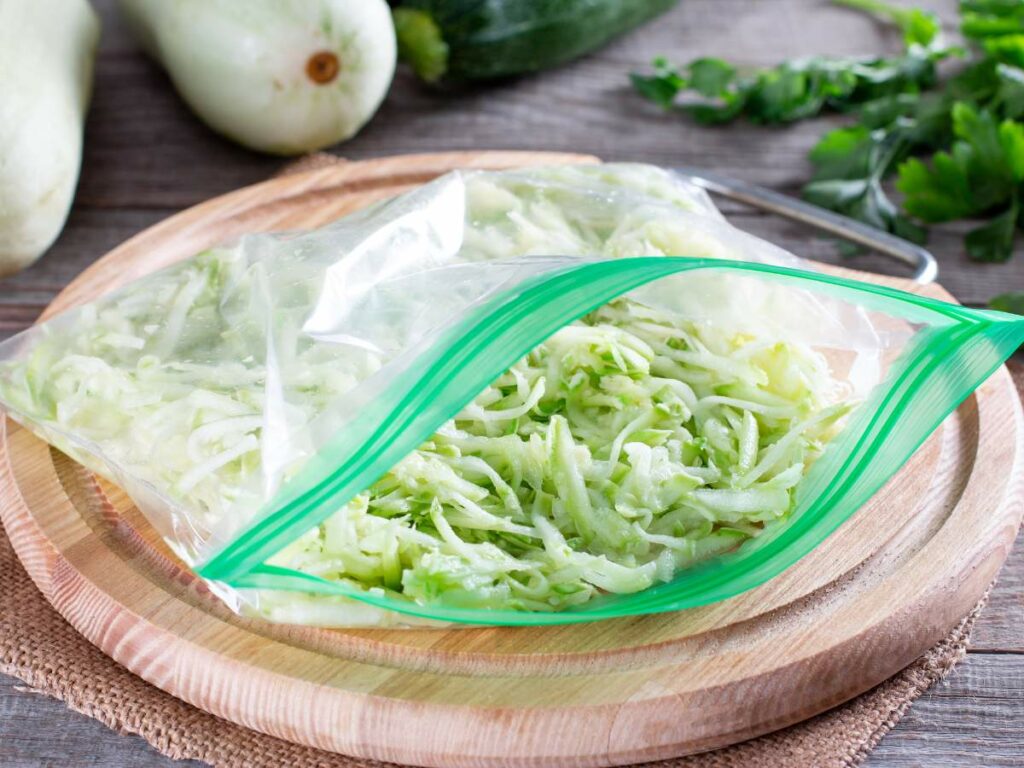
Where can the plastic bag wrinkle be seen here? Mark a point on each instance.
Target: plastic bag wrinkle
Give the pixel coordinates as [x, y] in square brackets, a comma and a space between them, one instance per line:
[264, 351]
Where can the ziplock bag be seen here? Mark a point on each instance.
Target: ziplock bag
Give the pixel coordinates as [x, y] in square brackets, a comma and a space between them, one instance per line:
[527, 397]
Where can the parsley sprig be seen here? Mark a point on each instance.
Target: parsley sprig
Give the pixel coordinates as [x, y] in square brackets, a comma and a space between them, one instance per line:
[954, 143]
[1009, 302]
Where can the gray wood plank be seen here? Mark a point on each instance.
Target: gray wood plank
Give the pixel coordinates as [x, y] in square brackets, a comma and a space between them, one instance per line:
[90, 233]
[1000, 628]
[973, 718]
[39, 732]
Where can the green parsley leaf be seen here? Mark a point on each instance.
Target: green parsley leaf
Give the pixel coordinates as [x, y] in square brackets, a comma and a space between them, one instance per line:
[655, 88]
[991, 18]
[980, 150]
[793, 90]
[1009, 302]
[919, 27]
[864, 200]
[979, 173]
[844, 153]
[979, 27]
[990, 7]
[849, 166]
[711, 77]
[885, 110]
[937, 193]
[957, 150]
[1011, 138]
[1008, 49]
[994, 241]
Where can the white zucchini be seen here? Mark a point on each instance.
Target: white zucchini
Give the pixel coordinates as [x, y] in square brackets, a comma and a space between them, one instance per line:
[279, 76]
[46, 59]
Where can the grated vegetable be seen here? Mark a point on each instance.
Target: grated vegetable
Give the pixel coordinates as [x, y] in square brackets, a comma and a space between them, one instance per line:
[631, 444]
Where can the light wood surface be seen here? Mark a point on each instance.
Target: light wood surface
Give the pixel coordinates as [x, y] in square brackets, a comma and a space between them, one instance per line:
[885, 587]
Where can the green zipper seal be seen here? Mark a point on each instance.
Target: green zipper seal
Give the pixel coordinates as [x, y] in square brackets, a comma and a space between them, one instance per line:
[956, 350]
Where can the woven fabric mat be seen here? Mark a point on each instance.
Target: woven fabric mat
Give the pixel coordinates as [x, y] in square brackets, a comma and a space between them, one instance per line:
[40, 648]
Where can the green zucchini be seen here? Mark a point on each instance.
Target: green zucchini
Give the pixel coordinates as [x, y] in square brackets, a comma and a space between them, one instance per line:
[485, 39]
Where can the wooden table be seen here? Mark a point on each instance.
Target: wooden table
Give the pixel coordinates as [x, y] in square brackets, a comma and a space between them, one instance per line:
[147, 157]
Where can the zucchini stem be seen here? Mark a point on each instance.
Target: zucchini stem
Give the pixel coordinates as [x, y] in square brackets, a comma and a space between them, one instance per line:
[322, 67]
[420, 43]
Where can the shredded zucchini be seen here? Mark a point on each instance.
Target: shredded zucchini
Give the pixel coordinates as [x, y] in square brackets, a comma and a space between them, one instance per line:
[629, 445]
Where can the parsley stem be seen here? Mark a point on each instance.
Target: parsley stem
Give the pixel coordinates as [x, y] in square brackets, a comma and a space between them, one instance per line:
[887, 11]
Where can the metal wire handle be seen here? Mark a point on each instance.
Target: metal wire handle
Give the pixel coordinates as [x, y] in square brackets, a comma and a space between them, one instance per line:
[921, 259]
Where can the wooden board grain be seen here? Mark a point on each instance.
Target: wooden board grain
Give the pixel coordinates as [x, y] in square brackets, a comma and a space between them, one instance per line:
[972, 720]
[885, 587]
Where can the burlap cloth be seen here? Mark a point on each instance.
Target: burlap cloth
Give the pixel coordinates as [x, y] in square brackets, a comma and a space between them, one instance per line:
[40, 648]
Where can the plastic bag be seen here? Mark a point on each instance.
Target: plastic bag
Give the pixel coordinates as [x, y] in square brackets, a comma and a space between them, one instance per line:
[332, 427]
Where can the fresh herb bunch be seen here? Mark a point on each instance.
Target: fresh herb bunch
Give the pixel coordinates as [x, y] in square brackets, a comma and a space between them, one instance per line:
[955, 144]
[1009, 302]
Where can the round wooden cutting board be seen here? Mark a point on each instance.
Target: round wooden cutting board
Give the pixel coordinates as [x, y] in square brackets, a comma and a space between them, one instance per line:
[880, 591]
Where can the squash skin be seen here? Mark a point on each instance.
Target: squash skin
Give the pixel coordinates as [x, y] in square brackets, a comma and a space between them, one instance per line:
[488, 39]
[47, 51]
[278, 76]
